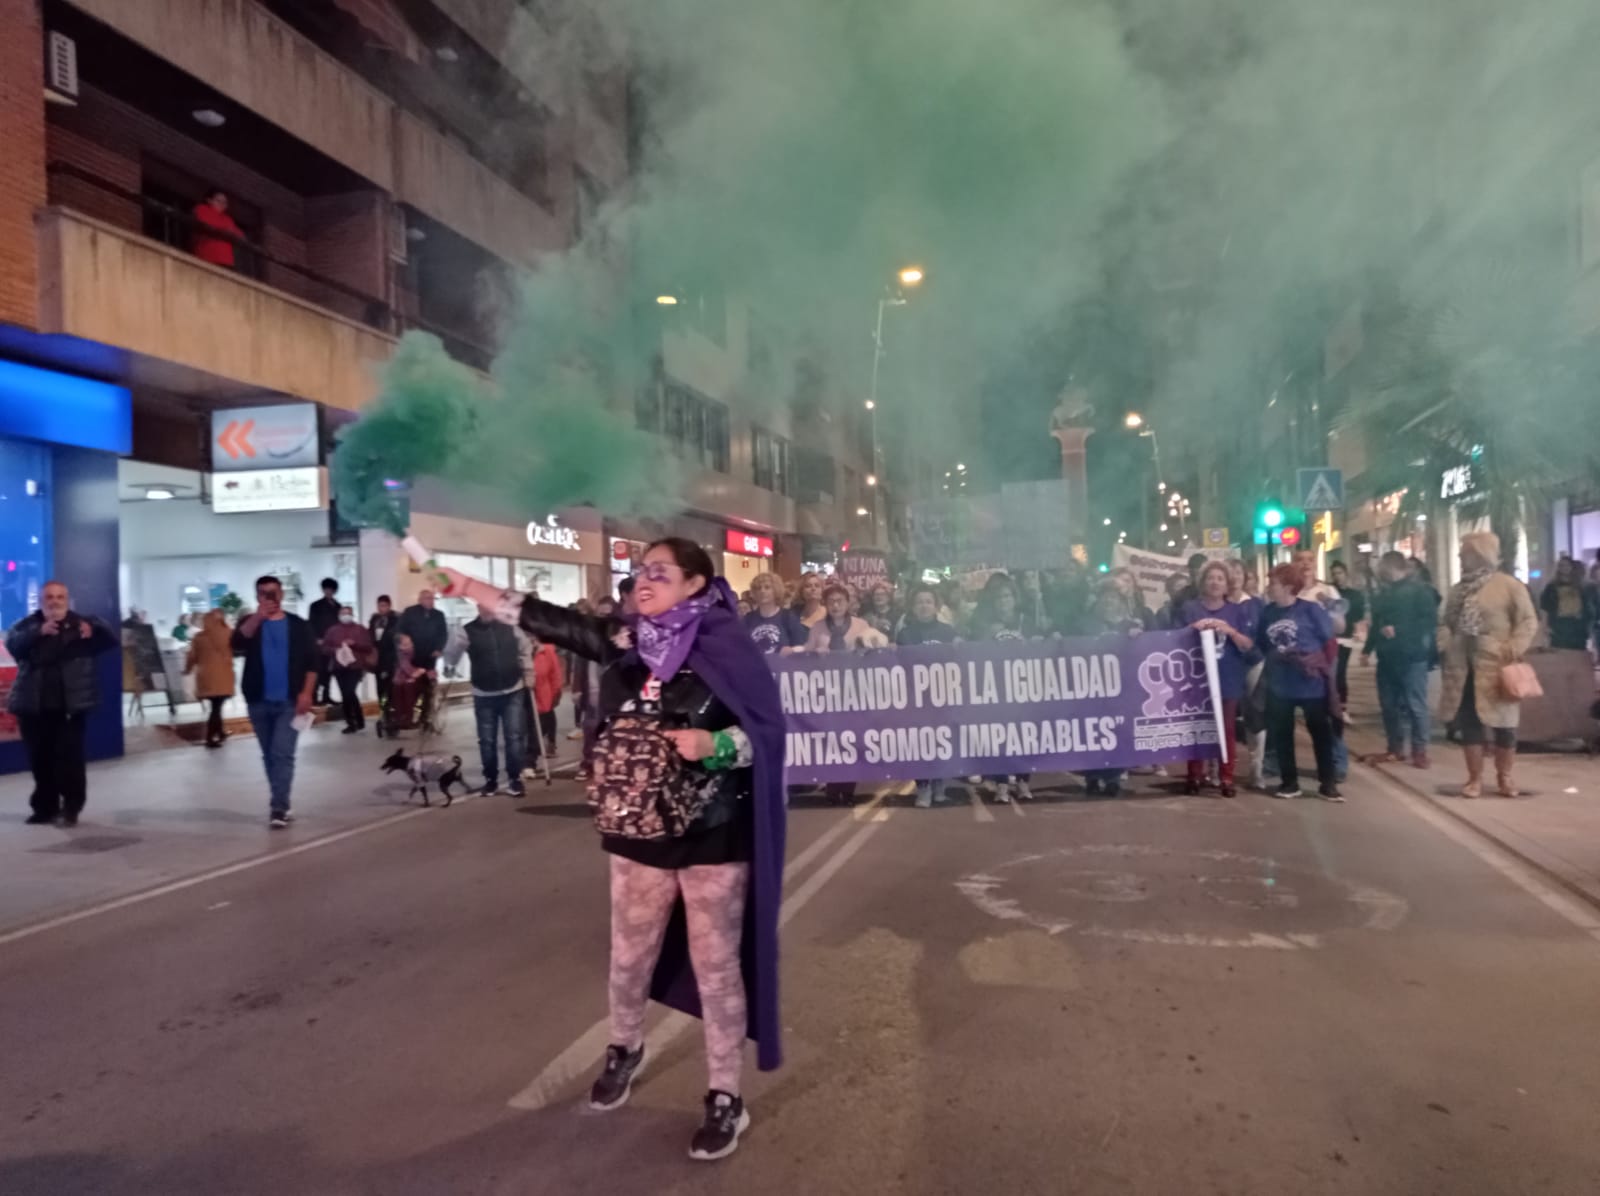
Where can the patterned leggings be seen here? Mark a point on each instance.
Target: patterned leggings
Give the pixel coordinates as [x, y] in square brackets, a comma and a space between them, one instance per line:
[642, 899]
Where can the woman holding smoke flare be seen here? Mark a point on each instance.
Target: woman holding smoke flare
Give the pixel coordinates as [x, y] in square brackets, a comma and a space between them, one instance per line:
[686, 671]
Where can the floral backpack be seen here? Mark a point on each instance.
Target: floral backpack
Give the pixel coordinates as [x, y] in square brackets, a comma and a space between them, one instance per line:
[640, 788]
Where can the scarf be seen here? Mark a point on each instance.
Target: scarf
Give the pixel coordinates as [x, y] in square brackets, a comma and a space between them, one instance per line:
[1463, 615]
[663, 642]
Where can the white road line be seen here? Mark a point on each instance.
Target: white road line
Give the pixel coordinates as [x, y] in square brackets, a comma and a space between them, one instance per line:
[980, 812]
[1016, 807]
[1582, 915]
[582, 1055]
[188, 882]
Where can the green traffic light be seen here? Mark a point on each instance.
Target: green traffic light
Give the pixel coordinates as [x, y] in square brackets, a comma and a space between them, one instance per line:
[1270, 517]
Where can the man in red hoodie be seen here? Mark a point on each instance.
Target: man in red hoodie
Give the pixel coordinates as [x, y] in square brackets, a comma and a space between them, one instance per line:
[212, 213]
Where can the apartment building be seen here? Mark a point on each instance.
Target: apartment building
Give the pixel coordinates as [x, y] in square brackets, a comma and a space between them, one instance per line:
[386, 166]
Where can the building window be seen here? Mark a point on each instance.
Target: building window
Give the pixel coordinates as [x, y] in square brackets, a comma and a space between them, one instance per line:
[698, 426]
[771, 456]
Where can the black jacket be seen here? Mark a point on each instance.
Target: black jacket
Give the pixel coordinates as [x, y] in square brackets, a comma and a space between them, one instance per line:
[56, 672]
[1412, 609]
[495, 655]
[389, 624]
[303, 658]
[428, 631]
[324, 613]
[722, 831]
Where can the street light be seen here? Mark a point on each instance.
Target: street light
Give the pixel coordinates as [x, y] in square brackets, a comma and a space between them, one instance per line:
[861, 512]
[911, 276]
[908, 276]
[667, 300]
[1133, 420]
[872, 479]
[1107, 521]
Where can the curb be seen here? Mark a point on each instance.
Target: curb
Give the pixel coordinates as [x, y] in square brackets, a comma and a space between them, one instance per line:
[1583, 892]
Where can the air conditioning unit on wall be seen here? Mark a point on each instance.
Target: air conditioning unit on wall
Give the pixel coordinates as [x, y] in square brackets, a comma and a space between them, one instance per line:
[60, 69]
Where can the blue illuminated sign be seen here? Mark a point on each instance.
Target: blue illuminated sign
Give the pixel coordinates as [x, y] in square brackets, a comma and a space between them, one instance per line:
[58, 408]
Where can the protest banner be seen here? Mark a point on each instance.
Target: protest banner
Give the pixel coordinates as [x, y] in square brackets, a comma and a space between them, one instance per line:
[1151, 569]
[954, 710]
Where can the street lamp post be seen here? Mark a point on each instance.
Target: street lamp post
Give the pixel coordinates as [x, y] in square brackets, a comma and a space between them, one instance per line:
[909, 276]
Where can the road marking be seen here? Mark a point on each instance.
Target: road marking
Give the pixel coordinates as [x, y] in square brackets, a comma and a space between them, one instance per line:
[189, 882]
[1016, 807]
[1582, 915]
[583, 1054]
[980, 812]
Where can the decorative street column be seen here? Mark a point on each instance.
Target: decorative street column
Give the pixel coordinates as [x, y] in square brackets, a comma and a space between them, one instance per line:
[1071, 425]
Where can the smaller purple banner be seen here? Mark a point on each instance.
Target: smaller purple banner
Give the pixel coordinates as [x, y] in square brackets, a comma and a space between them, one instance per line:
[955, 710]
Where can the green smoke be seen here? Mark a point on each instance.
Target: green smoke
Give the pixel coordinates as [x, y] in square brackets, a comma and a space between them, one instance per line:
[795, 156]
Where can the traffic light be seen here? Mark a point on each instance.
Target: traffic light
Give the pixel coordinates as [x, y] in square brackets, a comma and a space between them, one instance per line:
[1275, 524]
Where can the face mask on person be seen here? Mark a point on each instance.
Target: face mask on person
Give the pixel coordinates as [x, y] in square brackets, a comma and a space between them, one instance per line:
[347, 618]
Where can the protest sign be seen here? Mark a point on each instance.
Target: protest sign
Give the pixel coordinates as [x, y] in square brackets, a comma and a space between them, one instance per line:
[863, 570]
[1151, 569]
[953, 710]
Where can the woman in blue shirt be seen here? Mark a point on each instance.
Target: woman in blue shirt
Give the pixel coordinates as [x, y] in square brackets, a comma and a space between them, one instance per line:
[1294, 635]
[1236, 638]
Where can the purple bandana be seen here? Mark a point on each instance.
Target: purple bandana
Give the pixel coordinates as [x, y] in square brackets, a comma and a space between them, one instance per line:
[663, 642]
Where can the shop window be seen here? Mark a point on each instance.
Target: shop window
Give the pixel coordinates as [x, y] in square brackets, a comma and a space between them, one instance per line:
[25, 530]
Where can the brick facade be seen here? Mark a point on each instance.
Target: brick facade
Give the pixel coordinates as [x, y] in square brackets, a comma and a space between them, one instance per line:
[22, 139]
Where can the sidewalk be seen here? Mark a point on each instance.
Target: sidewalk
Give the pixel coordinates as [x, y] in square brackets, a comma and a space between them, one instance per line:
[1554, 825]
[160, 816]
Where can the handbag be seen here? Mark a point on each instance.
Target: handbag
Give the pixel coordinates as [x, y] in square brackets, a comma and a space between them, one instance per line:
[1519, 681]
[640, 789]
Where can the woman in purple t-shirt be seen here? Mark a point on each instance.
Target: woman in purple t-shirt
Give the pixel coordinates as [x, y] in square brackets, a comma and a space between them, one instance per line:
[1236, 635]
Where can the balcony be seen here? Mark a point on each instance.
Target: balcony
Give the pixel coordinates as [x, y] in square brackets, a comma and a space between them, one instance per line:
[230, 334]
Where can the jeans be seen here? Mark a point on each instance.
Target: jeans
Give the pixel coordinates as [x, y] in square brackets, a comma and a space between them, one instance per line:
[1403, 695]
[1280, 731]
[55, 753]
[274, 727]
[502, 714]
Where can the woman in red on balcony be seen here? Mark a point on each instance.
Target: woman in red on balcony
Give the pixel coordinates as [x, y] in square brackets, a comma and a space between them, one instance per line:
[212, 213]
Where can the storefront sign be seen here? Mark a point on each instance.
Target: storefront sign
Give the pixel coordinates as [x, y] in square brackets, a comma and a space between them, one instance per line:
[282, 437]
[550, 532]
[267, 490]
[58, 408]
[748, 544]
[955, 710]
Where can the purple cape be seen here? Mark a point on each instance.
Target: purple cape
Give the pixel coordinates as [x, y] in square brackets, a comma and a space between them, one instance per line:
[727, 659]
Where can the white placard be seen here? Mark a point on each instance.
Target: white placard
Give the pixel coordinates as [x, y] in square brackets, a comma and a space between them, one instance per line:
[268, 490]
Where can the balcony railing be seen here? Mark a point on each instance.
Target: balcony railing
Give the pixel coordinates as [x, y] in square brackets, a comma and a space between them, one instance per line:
[72, 187]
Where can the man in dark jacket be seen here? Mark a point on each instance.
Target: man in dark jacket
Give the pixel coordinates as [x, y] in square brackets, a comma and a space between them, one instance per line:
[1405, 621]
[382, 627]
[324, 617]
[52, 694]
[496, 652]
[427, 628]
[280, 678]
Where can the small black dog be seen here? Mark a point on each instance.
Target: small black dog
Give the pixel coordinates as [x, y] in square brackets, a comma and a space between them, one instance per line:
[422, 769]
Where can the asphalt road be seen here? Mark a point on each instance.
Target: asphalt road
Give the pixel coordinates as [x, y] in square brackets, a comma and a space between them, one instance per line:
[1154, 995]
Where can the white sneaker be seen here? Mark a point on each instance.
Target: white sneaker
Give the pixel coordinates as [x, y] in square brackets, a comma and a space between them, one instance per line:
[1023, 792]
[1002, 795]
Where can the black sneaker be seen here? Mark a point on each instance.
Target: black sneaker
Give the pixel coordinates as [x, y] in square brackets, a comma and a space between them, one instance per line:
[1330, 793]
[278, 822]
[611, 1088]
[515, 790]
[40, 820]
[489, 790]
[1287, 792]
[718, 1135]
